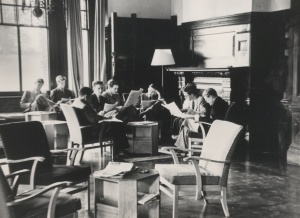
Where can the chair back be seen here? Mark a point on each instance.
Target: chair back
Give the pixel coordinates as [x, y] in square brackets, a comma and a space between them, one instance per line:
[5, 193]
[23, 140]
[218, 145]
[72, 122]
[237, 113]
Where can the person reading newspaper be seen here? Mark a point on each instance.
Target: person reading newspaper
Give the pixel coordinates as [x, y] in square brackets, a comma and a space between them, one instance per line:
[198, 107]
[88, 116]
[115, 107]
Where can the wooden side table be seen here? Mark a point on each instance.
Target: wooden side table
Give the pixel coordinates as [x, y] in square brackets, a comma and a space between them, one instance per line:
[57, 133]
[116, 198]
[40, 116]
[143, 137]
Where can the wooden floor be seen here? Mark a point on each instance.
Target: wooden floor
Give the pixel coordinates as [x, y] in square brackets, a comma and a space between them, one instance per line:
[259, 186]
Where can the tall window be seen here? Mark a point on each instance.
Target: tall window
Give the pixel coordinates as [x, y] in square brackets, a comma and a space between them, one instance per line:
[23, 46]
[85, 27]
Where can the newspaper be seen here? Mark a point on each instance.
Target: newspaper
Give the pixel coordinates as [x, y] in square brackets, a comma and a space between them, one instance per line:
[110, 107]
[175, 111]
[147, 103]
[114, 169]
[133, 97]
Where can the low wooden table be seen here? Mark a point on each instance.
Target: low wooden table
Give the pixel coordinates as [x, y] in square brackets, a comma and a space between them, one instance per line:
[116, 198]
[57, 133]
[40, 116]
[143, 137]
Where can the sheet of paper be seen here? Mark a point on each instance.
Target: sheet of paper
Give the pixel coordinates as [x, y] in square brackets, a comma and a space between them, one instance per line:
[133, 97]
[147, 103]
[109, 107]
[175, 111]
[114, 168]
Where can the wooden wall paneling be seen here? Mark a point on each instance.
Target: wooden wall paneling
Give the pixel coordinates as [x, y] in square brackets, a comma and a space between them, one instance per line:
[252, 46]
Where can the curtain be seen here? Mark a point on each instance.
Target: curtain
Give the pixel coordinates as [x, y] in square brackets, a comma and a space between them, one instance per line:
[101, 20]
[58, 42]
[74, 37]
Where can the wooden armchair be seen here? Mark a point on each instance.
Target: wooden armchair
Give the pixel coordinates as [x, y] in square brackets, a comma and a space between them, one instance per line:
[47, 202]
[26, 147]
[87, 134]
[236, 113]
[210, 174]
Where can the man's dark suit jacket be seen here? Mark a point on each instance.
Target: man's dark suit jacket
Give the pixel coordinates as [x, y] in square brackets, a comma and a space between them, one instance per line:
[218, 109]
[57, 94]
[98, 102]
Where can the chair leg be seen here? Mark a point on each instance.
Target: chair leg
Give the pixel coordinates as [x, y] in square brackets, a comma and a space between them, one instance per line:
[175, 202]
[71, 152]
[81, 156]
[88, 196]
[224, 201]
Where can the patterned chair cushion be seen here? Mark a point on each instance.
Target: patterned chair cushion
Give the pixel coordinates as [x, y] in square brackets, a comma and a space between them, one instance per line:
[61, 173]
[183, 174]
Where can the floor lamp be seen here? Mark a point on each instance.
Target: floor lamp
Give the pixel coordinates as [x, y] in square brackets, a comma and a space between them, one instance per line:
[162, 57]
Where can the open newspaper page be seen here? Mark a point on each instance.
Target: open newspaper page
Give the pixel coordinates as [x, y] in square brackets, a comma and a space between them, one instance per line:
[175, 111]
[133, 97]
[114, 169]
[109, 107]
[147, 103]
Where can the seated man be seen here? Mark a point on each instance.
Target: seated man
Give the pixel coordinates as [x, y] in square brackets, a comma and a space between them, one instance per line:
[87, 115]
[152, 93]
[36, 100]
[198, 107]
[98, 100]
[126, 114]
[61, 94]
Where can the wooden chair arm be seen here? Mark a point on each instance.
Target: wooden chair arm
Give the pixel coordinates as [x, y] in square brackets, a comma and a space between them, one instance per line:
[56, 186]
[16, 179]
[17, 173]
[210, 160]
[33, 168]
[8, 161]
[171, 150]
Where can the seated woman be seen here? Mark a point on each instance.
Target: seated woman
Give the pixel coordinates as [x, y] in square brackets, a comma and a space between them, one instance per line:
[36, 100]
[197, 107]
[126, 114]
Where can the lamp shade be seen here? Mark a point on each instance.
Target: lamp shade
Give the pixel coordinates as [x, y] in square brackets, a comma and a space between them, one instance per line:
[162, 57]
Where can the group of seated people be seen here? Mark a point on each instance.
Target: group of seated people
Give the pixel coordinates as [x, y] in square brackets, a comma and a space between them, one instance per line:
[91, 104]
[206, 108]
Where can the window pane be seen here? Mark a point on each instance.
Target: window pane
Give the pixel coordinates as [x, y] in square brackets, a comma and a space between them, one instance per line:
[85, 58]
[83, 5]
[11, 2]
[9, 14]
[25, 16]
[34, 53]
[9, 66]
[83, 19]
[41, 21]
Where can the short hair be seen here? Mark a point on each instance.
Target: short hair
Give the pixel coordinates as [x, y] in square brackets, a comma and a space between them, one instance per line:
[85, 91]
[60, 78]
[111, 83]
[190, 88]
[97, 82]
[210, 92]
[39, 81]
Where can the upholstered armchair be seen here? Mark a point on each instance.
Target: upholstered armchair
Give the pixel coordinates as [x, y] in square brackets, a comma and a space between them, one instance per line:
[46, 202]
[209, 172]
[82, 136]
[26, 147]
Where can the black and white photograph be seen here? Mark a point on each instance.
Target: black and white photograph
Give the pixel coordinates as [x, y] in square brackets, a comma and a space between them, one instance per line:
[149, 108]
